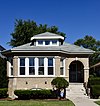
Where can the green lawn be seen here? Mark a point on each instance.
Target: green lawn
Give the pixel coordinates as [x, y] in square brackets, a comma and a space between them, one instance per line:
[36, 103]
[97, 102]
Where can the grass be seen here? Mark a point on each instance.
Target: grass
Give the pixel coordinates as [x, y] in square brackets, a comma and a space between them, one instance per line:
[97, 102]
[36, 103]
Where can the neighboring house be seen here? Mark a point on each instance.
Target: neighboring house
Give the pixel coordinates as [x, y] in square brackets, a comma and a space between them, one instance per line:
[95, 69]
[36, 64]
[1, 49]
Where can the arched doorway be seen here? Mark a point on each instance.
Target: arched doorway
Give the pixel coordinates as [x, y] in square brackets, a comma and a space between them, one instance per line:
[76, 72]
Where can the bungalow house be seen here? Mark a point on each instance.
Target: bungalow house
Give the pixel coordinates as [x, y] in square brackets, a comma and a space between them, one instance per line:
[36, 64]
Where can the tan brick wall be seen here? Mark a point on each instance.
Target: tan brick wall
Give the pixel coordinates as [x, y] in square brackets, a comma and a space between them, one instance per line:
[15, 65]
[8, 68]
[57, 66]
[28, 83]
[10, 87]
[66, 69]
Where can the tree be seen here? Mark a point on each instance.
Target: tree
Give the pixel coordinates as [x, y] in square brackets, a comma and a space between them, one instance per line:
[3, 74]
[60, 83]
[24, 30]
[90, 43]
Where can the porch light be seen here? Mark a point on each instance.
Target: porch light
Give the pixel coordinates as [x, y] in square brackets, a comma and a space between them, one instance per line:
[76, 58]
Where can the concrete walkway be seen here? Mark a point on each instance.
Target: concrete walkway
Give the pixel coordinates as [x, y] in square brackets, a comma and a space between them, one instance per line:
[76, 94]
[81, 101]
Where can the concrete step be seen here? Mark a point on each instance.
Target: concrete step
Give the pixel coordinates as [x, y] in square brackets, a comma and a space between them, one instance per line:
[76, 89]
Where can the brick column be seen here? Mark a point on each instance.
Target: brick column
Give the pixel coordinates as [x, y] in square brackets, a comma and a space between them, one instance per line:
[8, 67]
[86, 74]
[66, 69]
[13, 80]
[15, 66]
[57, 66]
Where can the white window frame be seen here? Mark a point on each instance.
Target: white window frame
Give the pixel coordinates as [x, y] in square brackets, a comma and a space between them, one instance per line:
[55, 43]
[41, 66]
[36, 67]
[51, 44]
[30, 66]
[19, 67]
[50, 66]
[10, 66]
[63, 66]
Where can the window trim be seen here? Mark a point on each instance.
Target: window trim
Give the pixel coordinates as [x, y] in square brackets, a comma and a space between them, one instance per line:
[50, 43]
[39, 43]
[63, 66]
[48, 66]
[39, 66]
[36, 67]
[31, 66]
[23, 66]
[10, 66]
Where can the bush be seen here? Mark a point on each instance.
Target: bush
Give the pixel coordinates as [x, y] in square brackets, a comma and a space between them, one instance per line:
[35, 94]
[94, 85]
[95, 91]
[3, 93]
[60, 82]
[93, 81]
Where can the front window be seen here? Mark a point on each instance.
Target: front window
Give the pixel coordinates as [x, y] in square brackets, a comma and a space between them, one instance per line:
[61, 66]
[50, 66]
[40, 42]
[36, 66]
[47, 42]
[31, 66]
[54, 42]
[22, 66]
[11, 66]
[41, 66]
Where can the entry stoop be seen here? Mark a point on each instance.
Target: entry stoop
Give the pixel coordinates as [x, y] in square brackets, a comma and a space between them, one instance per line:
[76, 89]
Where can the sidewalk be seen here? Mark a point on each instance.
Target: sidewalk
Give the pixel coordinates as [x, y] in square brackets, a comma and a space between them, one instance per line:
[82, 101]
[76, 95]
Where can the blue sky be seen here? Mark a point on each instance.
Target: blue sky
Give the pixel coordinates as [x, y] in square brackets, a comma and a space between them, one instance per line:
[76, 18]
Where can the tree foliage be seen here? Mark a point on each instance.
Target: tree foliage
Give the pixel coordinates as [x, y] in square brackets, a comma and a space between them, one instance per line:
[3, 74]
[25, 29]
[90, 43]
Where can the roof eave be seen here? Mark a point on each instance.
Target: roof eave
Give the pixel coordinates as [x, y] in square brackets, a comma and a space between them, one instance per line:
[60, 51]
[5, 52]
[57, 37]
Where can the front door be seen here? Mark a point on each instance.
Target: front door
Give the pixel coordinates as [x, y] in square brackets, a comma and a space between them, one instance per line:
[76, 72]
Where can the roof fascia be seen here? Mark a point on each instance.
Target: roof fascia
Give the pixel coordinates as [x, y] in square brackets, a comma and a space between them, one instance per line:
[60, 51]
[52, 37]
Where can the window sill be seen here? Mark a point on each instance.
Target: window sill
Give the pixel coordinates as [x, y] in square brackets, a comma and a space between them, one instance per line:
[36, 76]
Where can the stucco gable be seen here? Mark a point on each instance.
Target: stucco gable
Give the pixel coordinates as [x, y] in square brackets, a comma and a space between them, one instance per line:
[47, 35]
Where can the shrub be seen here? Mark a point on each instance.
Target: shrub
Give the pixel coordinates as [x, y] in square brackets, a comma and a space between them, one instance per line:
[35, 94]
[93, 81]
[94, 85]
[60, 82]
[95, 91]
[3, 93]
